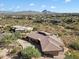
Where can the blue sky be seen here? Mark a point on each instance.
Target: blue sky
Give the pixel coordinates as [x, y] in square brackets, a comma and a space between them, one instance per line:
[39, 5]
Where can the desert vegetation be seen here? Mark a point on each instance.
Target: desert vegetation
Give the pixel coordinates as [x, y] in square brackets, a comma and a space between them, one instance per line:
[64, 25]
[30, 52]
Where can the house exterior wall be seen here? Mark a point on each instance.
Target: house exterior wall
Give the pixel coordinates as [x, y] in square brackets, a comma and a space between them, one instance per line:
[52, 53]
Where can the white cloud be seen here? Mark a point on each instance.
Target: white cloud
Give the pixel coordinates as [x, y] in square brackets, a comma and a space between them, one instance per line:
[31, 4]
[52, 7]
[66, 1]
[43, 6]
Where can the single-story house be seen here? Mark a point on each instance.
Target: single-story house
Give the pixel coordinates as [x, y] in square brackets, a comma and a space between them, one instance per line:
[50, 45]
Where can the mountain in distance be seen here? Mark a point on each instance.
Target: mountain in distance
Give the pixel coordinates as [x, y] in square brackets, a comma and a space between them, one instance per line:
[35, 12]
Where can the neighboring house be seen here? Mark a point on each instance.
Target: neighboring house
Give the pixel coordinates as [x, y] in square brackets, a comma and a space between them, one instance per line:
[21, 28]
[50, 45]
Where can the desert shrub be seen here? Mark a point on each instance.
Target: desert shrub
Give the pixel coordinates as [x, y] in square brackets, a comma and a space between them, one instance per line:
[13, 51]
[35, 29]
[55, 21]
[16, 49]
[74, 45]
[7, 28]
[17, 34]
[69, 26]
[69, 21]
[30, 52]
[72, 55]
[76, 33]
[7, 39]
[37, 21]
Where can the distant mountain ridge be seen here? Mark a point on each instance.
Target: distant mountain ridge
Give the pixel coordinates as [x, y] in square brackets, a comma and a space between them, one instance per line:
[35, 12]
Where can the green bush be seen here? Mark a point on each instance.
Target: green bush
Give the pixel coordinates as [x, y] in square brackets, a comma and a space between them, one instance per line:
[8, 38]
[68, 21]
[72, 55]
[74, 45]
[30, 52]
[17, 34]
